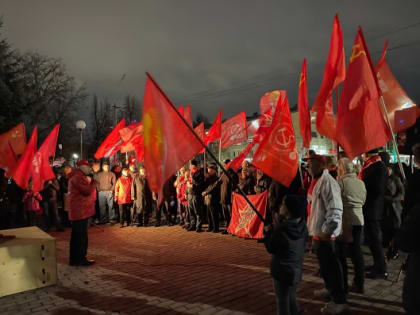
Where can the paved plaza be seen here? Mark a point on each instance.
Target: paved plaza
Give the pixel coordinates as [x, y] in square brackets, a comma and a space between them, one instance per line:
[167, 270]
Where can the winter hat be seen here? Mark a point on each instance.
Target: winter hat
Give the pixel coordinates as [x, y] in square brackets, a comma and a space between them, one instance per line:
[296, 205]
[83, 162]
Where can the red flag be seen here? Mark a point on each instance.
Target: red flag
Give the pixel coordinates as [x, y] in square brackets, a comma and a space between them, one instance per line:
[130, 135]
[8, 159]
[245, 222]
[181, 110]
[277, 155]
[199, 130]
[15, 137]
[168, 141]
[22, 172]
[303, 108]
[334, 74]
[215, 130]
[360, 123]
[188, 115]
[396, 100]
[234, 130]
[269, 101]
[139, 149]
[235, 164]
[41, 170]
[112, 141]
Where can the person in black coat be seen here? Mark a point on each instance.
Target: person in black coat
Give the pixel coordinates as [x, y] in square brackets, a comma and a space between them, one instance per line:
[211, 198]
[195, 202]
[262, 182]
[407, 241]
[374, 174]
[246, 182]
[285, 241]
[412, 196]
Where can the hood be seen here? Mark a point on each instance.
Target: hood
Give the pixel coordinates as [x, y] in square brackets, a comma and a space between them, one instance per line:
[294, 228]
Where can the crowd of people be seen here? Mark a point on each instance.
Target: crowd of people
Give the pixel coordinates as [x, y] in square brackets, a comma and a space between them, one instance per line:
[329, 209]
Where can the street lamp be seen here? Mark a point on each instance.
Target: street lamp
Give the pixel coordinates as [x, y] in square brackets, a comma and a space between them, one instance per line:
[81, 125]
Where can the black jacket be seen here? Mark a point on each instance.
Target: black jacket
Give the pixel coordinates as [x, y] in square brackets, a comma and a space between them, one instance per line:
[412, 192]
[286, 245]
[394, 195]
[407, 241]
[141, 193]
[198, 183]
[375, 179]
[212, 190]
[247, 184]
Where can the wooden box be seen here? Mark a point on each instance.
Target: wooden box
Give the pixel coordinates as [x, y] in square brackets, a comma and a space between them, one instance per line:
[28, 261]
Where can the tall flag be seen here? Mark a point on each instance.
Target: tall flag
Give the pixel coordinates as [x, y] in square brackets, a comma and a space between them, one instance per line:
[402, 111]
[360, 123]
[215, 131]
[41, 170]
[245, 222]
[334, 74]
[168, 141]
[188, 115]
[234, 130]
[276, 155]
[15, 138]
[111, 143]
[22, 172]
[303, 108]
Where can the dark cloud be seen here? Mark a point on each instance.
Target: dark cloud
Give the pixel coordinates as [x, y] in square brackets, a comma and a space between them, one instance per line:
[210, 54]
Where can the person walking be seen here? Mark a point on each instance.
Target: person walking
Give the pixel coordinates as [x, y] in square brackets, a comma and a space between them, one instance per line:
[82, 197]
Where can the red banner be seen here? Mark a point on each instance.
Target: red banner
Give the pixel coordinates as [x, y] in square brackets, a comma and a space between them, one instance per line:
[244, 222]
[234, 130]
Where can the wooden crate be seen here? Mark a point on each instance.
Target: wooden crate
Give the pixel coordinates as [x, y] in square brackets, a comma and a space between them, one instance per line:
[28, 261]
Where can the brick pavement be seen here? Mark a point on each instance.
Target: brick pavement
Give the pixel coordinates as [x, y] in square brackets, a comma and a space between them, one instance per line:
[167, 270]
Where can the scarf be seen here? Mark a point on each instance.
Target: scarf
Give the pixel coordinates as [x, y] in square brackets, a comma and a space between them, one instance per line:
[373, 159]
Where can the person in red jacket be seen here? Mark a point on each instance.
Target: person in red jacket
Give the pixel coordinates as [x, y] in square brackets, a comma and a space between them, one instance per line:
[123, 196]
[82, 197]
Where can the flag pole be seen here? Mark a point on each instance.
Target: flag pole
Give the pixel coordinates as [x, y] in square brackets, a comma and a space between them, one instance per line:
[300, 169]
[393, 137]
[220, 149]
[206, 149]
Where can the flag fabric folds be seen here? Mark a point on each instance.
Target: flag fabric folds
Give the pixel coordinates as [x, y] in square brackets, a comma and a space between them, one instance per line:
[235, 164]
[188, 115]
[269, 101]
[16, 137]
[234, 130]
[276, 155]
[22, 171]
[8, 159]
[41, 170]
[168, 142]
[130, 136]
[215, 131]
[303, 108]
[334, 74]
[402, 111]
[112, 142]
[360, 121]
[199, 130]
[245, 222]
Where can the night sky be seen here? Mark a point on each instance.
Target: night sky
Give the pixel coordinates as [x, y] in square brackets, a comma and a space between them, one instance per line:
[210, 54]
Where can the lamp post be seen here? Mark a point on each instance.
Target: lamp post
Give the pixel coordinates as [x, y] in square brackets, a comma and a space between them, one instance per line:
[81, 125]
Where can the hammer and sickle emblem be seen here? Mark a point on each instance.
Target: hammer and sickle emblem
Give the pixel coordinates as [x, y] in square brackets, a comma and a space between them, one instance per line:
[356, 52]
[282, 139]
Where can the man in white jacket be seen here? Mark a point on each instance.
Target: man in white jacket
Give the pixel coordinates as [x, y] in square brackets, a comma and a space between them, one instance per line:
[325, 225]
